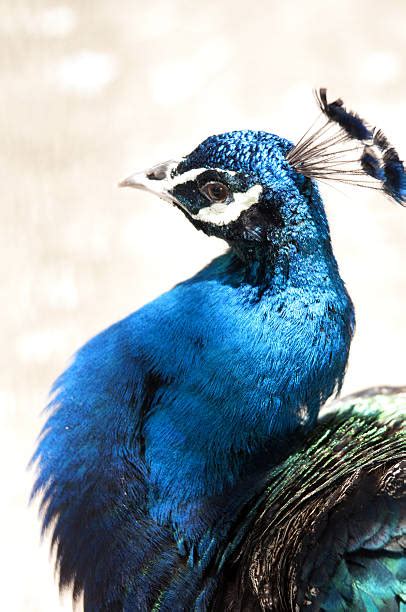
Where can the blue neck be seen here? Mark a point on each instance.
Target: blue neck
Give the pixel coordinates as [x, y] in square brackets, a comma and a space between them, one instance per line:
[274, 335]
[167, 422]
[274, 326]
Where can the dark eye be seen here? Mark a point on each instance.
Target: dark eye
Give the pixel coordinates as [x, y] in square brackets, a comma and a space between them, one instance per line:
[215, 191]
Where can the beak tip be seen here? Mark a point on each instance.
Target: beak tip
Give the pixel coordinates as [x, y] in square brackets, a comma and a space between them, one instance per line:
[129, 182]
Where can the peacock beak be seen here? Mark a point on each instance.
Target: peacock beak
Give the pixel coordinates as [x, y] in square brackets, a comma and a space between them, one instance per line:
[156, 180]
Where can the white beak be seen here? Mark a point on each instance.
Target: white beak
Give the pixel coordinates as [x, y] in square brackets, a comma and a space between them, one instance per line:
[156, 180]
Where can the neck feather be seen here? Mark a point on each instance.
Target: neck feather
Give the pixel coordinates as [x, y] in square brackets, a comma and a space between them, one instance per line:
[174, 415]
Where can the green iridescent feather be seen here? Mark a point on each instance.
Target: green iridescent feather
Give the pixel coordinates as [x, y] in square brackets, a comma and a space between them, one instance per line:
[329, 531]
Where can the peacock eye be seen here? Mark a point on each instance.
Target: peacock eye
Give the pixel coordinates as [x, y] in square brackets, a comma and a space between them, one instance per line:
[215, 191]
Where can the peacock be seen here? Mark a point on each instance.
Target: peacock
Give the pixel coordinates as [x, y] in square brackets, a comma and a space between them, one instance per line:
[183, 464]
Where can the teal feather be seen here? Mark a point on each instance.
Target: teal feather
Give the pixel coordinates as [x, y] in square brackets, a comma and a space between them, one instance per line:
[329, 532]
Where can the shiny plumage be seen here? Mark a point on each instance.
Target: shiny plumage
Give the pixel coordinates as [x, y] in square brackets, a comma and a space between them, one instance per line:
[329, 530]
[170, 436]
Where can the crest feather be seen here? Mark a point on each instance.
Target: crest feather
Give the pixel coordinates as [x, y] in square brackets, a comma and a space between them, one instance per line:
[348, 149]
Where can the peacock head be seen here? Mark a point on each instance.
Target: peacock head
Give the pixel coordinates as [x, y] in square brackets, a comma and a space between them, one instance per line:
[231, 186]
[252, 187]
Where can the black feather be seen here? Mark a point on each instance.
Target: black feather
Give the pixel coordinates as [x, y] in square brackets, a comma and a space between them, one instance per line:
[330, 522]
[349, 150]
[351, 123]
[371, 164]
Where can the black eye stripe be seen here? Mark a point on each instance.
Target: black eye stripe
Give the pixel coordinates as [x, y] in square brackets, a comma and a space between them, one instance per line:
[235, 181]
[190, 196]
[189, 189]
[211, 175]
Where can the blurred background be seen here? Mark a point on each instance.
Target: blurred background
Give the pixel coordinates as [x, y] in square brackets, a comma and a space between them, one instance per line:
[91, 91]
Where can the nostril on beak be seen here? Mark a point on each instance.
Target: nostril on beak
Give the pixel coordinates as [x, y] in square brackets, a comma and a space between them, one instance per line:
[158, 173]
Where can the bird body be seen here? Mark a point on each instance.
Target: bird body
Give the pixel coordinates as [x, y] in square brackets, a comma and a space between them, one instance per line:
[171, 421]
[156, 382]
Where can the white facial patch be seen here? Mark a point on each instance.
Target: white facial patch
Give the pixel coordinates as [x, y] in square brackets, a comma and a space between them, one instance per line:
[191, 175]
[221, 213]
